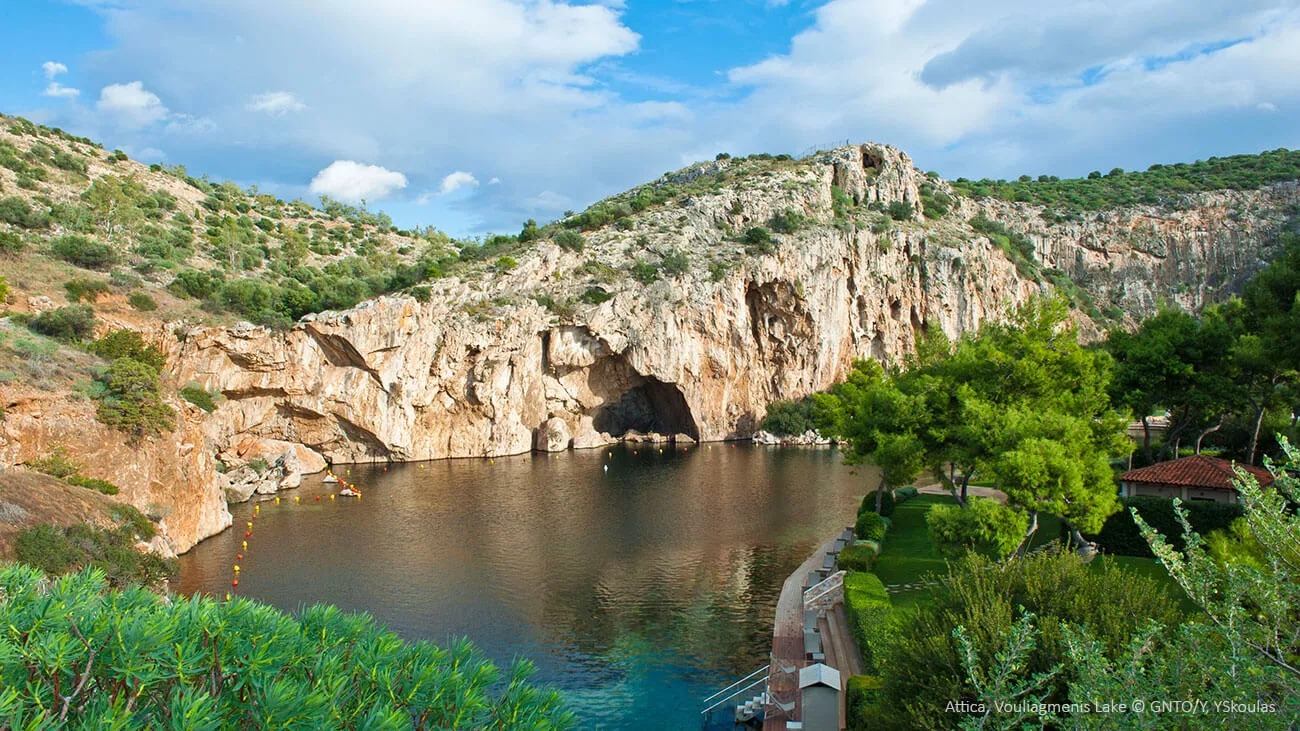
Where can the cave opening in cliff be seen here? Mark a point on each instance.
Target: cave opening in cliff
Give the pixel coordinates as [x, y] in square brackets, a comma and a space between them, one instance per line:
[652, 406]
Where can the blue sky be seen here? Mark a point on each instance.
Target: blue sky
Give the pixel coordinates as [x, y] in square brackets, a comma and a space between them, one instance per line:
[472, 115]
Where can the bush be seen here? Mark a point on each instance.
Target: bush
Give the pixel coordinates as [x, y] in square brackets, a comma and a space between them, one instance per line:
[983, 525]
[675, 264]
[789, 418]
[595, 295]
[46, 548]
[860, 556]
[79, 289]
[922, 667]
[1120, 534]
[128, 344]
[887, 503]
[81, 251]
[869, 527]
[644, 272]
[11, 244]
[195, 283]
[4, 289]
[870, 614]
[861, 693]
[198, 396]
[142, 302]
[73, 323]
[900, 211]
[570, 240]
[759, 239]
[56, 464]
[131, 402]
[134, 659]
[788, 221]
[16, 211]
[93, 483]
[903, 494]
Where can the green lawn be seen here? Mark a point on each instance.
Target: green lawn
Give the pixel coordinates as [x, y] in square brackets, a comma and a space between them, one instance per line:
[907, 553]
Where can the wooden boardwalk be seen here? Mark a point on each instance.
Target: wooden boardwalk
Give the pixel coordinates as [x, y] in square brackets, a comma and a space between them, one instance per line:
[787, 643]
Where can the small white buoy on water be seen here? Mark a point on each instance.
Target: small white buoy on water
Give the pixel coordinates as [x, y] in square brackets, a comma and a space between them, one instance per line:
[607, 468]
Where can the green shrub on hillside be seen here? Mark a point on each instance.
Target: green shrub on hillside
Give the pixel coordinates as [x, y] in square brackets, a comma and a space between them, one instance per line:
[94, 483]
[199, 396]
[132, 402]
[80, 289]
[4, 289]
[132, 659]
[56, 464]
[759, 239]
[57, 551]
[675, 263]
[142, 302]
[570, 240]
[16, 211]
[11, 244]
[73, 323]
[901, 211]
[644, 272]
[128, 344]
[83, 252]
[595, 296]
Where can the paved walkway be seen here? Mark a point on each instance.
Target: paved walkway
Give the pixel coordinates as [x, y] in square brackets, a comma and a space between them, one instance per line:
[787, 641]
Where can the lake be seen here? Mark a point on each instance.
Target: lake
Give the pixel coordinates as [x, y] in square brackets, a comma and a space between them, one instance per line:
[637, 590]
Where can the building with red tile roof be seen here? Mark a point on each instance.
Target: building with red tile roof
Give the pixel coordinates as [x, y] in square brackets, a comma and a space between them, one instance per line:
[1191, 478]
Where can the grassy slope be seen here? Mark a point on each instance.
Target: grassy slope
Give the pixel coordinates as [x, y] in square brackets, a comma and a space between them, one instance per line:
[30, 498]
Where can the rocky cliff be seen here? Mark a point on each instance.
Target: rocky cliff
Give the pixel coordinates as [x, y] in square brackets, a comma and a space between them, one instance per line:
[668, 323]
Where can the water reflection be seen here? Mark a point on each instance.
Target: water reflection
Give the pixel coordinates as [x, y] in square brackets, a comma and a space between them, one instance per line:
[638, 590]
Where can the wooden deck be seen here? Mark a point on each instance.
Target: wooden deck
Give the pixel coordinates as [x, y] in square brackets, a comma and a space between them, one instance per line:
[788, 643]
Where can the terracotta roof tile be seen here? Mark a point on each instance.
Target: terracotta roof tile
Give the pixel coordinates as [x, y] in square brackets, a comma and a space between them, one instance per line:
[1195, 471]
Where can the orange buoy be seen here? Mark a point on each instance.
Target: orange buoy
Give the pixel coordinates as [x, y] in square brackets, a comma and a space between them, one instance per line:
[248, 534]
[385, 469]
[234, 582]
[239, 556]
[634, 452]
[318, 498]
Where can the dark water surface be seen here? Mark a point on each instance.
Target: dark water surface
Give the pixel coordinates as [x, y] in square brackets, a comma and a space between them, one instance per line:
[637, 591]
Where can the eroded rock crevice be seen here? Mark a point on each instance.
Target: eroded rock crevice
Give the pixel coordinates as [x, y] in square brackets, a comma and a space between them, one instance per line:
[650, 407]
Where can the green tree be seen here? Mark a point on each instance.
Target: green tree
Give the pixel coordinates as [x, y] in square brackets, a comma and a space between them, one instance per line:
[132, 402]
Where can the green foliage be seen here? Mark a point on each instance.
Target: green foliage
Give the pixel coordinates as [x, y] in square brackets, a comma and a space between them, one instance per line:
[73, 323]
[80, 289]
[94, 483]
[83, 252]
[16, 211]
[142, 302]
[869, 527]
[57, 551]
[983, 525]
[870, 614]
[128, 344]
[877, 501]
[789, 221]
[934, 203]
[759, 240]
[789, 418]
[198, 396]
[644, 272]
[56, 464]
[1121, 535]
[11, 244]
[131, 659]
[570, 240]
[859, 557]
[1161, 184]
[901, 211]
[4, 289]
[132, 402]
[1014, 244]
[196, 283]
[595, 295]
[923, 668]
[675, 263]
[841, 203]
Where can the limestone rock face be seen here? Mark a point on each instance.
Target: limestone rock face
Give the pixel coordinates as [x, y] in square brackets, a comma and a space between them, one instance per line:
[553, 436]
[482, 369]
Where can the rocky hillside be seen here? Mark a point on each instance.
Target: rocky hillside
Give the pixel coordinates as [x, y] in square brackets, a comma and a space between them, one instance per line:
[683, 307]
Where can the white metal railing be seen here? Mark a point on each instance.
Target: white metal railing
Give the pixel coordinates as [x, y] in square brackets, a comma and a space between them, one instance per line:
[823, 589]
[725, 695]
[725, 700]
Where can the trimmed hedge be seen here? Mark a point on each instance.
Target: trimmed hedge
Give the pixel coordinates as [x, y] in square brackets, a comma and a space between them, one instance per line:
[887, 504]
[861, 694]
[859, 557]
[1120, 533]
[870, 527]
[870, 611]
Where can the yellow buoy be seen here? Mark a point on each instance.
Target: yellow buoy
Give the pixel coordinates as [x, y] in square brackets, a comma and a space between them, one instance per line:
[250, 525]
[227, 596]
[661, 451]
[236, 568]
[331, 496]
[245, 545]
[277, 501]
[492, 461]
[297, 499]
[257, 509]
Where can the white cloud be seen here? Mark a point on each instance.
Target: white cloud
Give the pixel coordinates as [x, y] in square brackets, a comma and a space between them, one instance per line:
[456, 181]
[494, 181]
[275, 103]
[59, 91]
[353, 181]
[131, 104]
[188, 125]
[53, 68]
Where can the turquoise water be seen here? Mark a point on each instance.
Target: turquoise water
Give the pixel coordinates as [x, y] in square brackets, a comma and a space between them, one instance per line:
[637, 590]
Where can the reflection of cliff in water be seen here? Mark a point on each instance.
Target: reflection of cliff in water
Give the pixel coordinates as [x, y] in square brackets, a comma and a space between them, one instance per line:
[633, 590]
